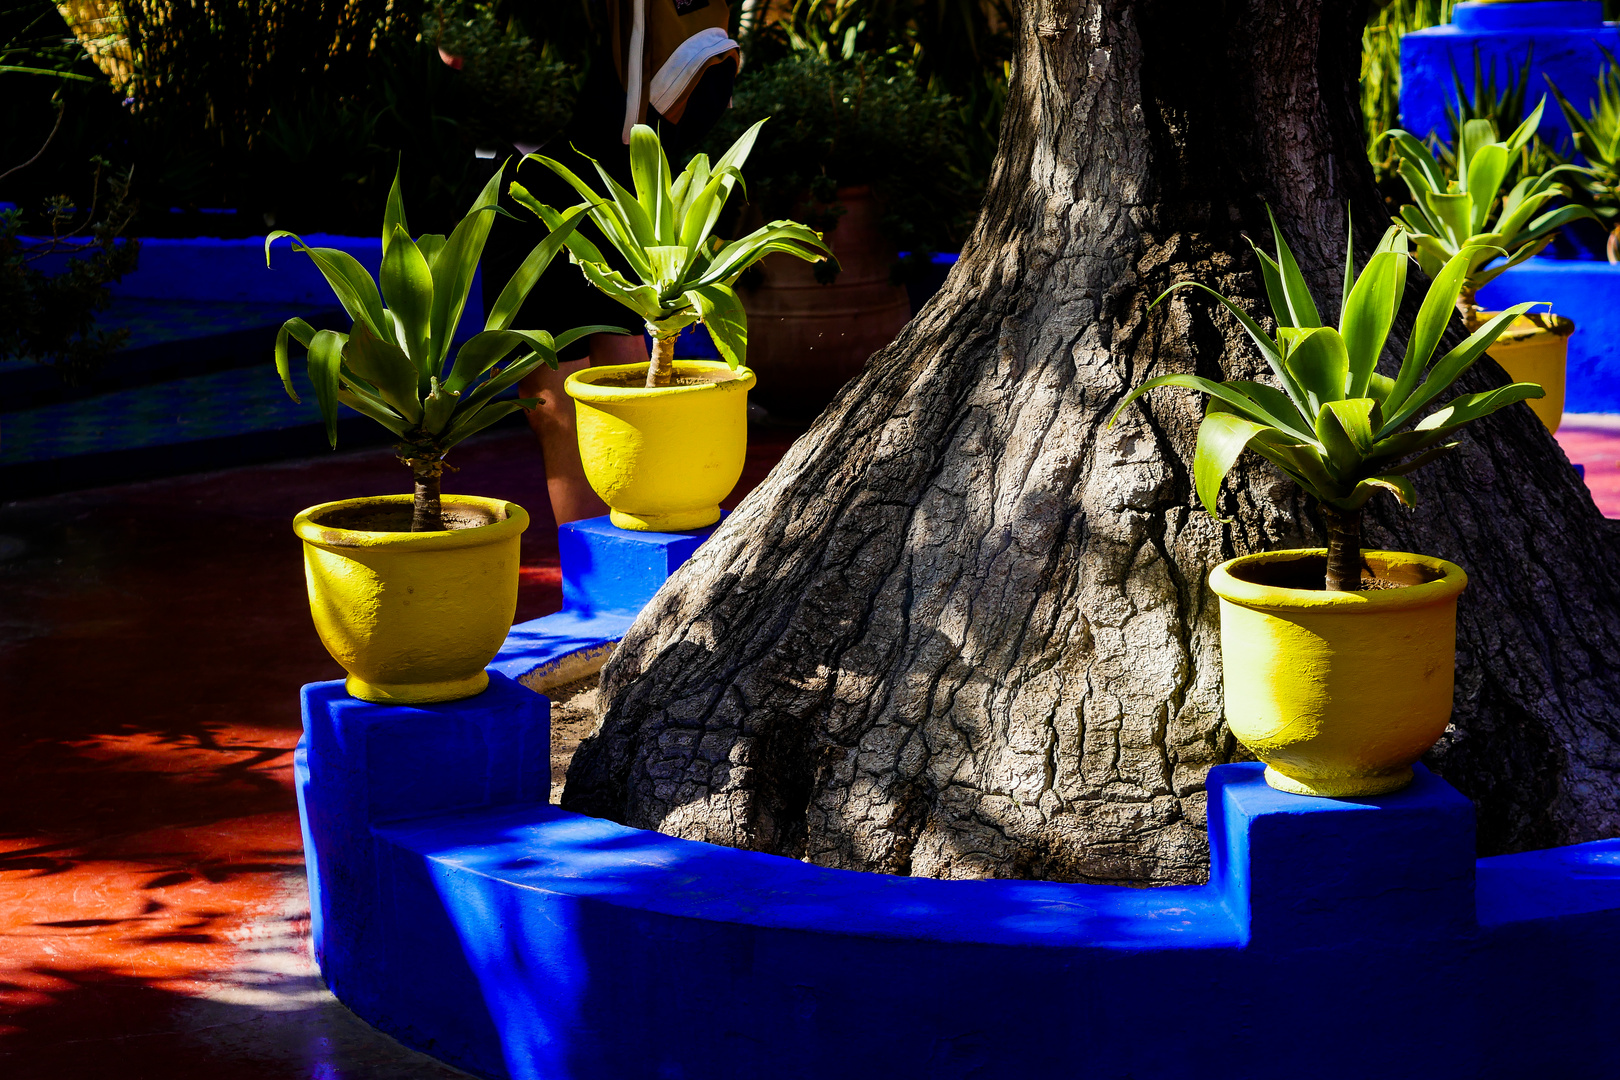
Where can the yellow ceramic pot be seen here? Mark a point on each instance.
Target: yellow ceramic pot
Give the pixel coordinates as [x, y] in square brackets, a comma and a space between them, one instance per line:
[662, 458]
[1535, 348]
[412, 617]
[1338, 693]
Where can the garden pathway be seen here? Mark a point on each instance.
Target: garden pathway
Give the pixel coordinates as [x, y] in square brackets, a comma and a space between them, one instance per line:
[152, 641]
[153, 637]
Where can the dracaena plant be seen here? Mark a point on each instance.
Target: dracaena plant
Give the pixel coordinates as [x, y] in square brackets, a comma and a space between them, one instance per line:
[1457, 209]
[1597, 139]
[394, 362]
[1331, 421]
[682, 273]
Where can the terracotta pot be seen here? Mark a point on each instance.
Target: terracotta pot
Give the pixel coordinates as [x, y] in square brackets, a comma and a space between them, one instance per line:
[806, 339]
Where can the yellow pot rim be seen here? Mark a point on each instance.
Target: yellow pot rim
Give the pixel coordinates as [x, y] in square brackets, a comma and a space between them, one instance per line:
[1277, 598]
[1531, 326]
[515, 519]
[582, 384]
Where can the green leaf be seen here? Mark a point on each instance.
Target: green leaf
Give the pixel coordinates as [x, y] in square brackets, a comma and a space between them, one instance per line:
[1300, 305]
[1467, 409]
[1276, 404]
[1343, 452]
[407, 289]
[1222, 438]
[430, 244]
[722, 312]
[1271, 274]
[349, 280]
[1241, 403]
[1438, 304]
[516, 291]
[453, 270]
[325, 363]
[1368, 314]
[642, 299]
[438, 406]
[608, 215]
[1320, 364]
[1451, 366]
[376, 410]
[385, 366]
[393, 212]
[1271, 350]
[568, 337]
[1485, 172]
[303, 333]
[1453, 210]
[1397, 485]
[510, 375]
[578, 247]
[1527, 130]
[649, 168]
[484, 350]
[476, 420]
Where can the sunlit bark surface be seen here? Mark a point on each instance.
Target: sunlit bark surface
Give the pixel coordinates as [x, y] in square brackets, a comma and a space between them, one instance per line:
[963, 631]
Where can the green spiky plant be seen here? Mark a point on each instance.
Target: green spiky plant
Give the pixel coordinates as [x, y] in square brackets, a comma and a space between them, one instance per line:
[1332, 422]
[1458, 209]
[683, 274]
[1597, 139]
[394, 364]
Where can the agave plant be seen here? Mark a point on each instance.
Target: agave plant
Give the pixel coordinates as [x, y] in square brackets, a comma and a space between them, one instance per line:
[1597, 139]
[683, 274]
[394, 364]
[1448, 215]
[1332, 422]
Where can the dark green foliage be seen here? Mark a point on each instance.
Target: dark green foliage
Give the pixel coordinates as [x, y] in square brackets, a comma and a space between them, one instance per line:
[865, 121]
[514, 90]
[50, 318]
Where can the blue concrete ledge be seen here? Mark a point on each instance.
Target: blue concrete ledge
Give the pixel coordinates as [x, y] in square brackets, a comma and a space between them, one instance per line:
[1589, 293]
[454, 908]
[1336, 938]
[1567, 36]
[608, 575]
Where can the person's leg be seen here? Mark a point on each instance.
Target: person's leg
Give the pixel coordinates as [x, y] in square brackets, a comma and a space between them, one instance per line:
[553, 423]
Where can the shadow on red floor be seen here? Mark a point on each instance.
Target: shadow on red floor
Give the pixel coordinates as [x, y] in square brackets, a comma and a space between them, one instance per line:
[153, 638]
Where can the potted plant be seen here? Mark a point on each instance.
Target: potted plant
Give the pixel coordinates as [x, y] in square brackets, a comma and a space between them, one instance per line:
[1338, 662]
[414, 594]
[1448, 215]
[663, 442]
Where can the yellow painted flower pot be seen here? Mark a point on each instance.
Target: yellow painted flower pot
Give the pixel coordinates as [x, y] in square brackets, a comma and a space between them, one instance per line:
[1338, 693]
[412, 617]
[662, 458]
[1535, 348]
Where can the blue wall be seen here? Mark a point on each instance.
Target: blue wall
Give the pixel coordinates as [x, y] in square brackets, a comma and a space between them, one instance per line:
[1589, 293]
[1567, 37]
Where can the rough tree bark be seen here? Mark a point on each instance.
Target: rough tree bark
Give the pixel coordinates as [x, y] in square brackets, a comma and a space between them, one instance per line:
[962, 630]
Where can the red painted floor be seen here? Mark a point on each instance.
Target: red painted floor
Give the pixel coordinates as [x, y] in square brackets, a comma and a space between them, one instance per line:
[153, 638]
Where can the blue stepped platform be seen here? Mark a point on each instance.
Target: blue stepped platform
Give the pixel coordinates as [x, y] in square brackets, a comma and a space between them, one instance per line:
[1567, 38]
[453, 907]
[608, 575]
[1337, 938]
[1589, 293]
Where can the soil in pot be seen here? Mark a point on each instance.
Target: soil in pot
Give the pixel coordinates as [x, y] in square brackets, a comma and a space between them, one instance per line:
[1310, 573]
[397, 518]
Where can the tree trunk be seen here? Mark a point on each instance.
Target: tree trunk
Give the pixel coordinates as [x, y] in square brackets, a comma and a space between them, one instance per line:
[1343, 530]
[963, 628]
[661, 368]
[426, 511]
